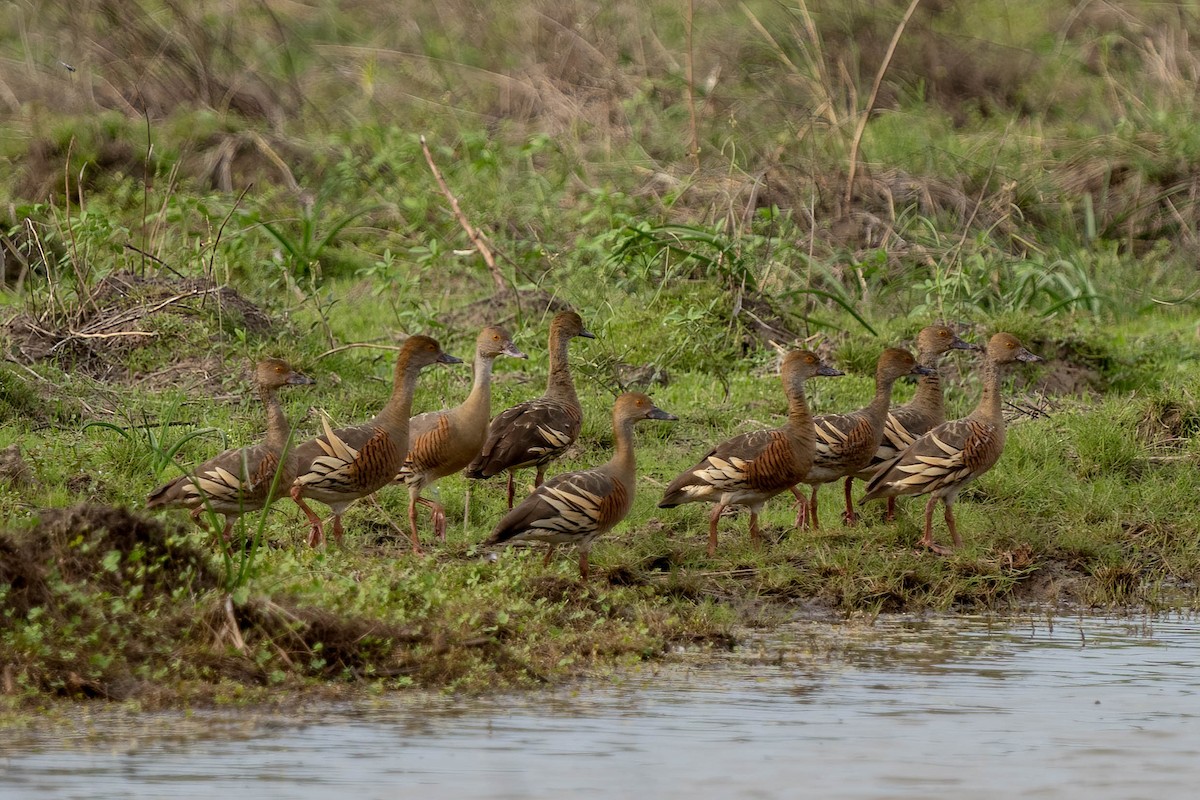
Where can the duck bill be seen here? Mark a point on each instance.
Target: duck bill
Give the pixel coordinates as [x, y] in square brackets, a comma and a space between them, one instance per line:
[1028, 357]
[585, 333]
[829, 371]
[299, 379]
[922, 370]
[511, 351]
[658, 413]
[446, 358]
[962, 344]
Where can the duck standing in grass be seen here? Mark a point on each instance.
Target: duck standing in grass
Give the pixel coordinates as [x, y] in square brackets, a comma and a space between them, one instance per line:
[348, 463]
[752, 468]
[846, 442]
[247, 479]
[948, 457]
[443, 442]
[926, 410]
[576, 507]
[536, 432]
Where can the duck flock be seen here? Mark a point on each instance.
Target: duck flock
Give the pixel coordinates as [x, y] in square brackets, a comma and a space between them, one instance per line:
[905, 450]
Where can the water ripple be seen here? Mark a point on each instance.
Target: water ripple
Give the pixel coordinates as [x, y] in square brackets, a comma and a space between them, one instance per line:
[902, 708]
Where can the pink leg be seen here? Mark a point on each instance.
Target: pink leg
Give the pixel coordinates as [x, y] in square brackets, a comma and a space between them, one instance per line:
[849, 518]
[437, 515]
[316, 531]
[814, 521]
[228, 528]
[927, 540]
[337, 528]
[412, 523]
[950, 524]
[890, 516]
[511, 491]
[801, 508]
[202, 525]
[541, 476]
[549, 555]
[584, 567]
[712, 529]
[754, 537]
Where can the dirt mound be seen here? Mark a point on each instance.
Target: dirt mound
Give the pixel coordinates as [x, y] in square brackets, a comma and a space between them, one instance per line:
[153, 315]
[107, 547]
[328, 644]
[83, 539]
[104, 603]
[94, 596]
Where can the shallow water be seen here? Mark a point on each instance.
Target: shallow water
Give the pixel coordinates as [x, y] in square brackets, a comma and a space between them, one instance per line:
[902, 708]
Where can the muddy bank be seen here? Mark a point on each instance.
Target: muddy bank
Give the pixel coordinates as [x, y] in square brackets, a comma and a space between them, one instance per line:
[102, 602]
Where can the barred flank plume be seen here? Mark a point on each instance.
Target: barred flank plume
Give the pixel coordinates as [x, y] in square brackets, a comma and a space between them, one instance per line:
[569, 508]
[527, 435]
[944, 459]
[759, 461]
[351, 461]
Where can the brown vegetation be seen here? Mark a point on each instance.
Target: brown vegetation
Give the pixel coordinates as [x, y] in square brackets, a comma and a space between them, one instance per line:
[125, 312]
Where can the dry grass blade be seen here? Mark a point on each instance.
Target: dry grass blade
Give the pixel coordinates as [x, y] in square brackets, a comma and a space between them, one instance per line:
[473, 233]
[861, 127]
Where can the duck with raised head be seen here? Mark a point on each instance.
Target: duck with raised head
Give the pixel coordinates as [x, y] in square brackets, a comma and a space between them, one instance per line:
[945, 459]
[536, 432]
[753, 467]
[348, 463]
[443, 442]
[245, 479]
[576, 507]
[925, 411]
[845, 443]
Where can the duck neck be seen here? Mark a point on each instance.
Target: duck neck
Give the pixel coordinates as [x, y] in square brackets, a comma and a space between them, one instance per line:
[277, 424]
[878, 408]
[929, 387]
[623, 465]
[560, 385]
[799, 417]
[478, 404]
[394, 416]
[989, 401]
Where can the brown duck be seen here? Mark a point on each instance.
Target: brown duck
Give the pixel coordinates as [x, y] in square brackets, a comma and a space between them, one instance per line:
[443, 442]
[754, 467]
[951, 455]
[846, 442]
[576, 507]
[926, 409]
[348, 463]
[247, 479]
[536, 432]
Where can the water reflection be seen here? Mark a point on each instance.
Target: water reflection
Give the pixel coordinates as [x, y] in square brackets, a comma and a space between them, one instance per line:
[900, 708]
